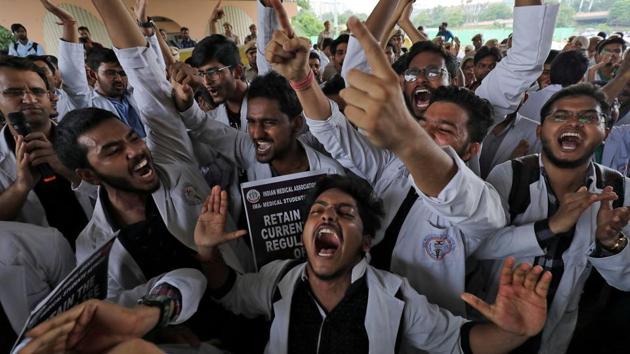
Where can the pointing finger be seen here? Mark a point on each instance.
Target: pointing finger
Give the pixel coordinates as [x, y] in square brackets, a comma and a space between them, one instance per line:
[283, 18]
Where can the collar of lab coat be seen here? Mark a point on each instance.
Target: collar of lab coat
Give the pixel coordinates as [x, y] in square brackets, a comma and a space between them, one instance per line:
[382, 318]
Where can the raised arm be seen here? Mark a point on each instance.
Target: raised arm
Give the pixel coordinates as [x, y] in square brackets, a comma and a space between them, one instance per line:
[217, 14]
[66, 20]
[505, 86]
[405, 23]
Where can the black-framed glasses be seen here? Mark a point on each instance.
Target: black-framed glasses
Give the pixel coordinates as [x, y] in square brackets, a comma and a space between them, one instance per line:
[430, 72]
[20, 92]
[213, 73]
[113, 73]
[583, 117]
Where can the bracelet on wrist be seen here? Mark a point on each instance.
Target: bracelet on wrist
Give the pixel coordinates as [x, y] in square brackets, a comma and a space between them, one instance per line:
[305, 83]
[619, 245]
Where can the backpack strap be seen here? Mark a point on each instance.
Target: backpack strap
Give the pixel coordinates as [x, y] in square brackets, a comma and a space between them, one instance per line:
[525, 171]
[609, 177]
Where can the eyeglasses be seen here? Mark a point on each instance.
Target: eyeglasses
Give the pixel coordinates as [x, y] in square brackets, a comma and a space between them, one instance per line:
[213, 73]
[612, 51]
[20, 92]
[113, 73]
[584, 117]
[430, 72]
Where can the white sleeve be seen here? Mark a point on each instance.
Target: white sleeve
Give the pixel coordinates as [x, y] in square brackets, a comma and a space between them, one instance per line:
[351, 149]
[235, 145]
[267, 23]
[72, 68]
[166, 135]
[155, 45]
[12, 50]
[533, 32]
[355, 59]
[467, 201]
[40, 49]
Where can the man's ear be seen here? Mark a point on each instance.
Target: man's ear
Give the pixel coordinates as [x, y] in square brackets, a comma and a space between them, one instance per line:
[538, 131]
[367, 243]
[88, 175]
[473, 149]
[238, 71]
[297, 124]
[91, 73]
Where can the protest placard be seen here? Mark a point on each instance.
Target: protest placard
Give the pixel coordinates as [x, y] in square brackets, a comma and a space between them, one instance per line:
[87, 281]
[274, 215]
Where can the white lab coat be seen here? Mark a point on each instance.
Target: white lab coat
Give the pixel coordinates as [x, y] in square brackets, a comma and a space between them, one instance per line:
[32, 211]
[465, 211]
[522, 128]
[239, 148]
[616, 153]
[182, 188]
[33, 260]
[420, 324]
[519, 240]
[536, 100]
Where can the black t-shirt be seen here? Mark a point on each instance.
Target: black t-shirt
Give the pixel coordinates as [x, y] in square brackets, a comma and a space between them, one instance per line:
[63, 210]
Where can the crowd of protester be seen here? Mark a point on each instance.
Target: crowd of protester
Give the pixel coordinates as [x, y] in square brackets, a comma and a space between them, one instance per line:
[475, 199]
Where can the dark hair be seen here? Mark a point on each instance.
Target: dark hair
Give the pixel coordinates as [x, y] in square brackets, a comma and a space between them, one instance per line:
[568, 68]
[216, 47]
[420, 28]
[479, 110]
[602, 34]
[401, 64]
[313, 55]
[16, 27]
[344, 38]
[83, 28]
[551, 56]
[97, 56]
[611, 40]
[428, 46]
[74, 124]
[369, 205]
[486, 51]
[184, 29]
[23, 64]
[45, 59]
[54, 60]
[275, 87]
[445, 24]
[334, 85]
[581, 89]
[326, 43]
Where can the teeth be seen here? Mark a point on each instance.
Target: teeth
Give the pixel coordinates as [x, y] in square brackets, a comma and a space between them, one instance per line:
[263, 146]
[325, 230]
[140, 165]
[570, 134]
[420, 90]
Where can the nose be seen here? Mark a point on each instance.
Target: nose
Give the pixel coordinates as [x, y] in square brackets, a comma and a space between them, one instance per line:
[256, 130]
[29, 97]
[133, 151]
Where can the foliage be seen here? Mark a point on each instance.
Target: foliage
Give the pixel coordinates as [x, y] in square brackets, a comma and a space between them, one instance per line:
[343, 17]
[304, 4]
[565, 16]
[6, 38]
[619, 14]
[495, 11]
[307, 24]
[454, 16]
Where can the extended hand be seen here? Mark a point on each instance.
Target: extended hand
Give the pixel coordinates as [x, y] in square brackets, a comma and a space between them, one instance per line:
[573, 205]
[521, 304]
[183, 79]
[210, 229]
[91, 327]
[217, 12]
[610, 222]
[64, 16]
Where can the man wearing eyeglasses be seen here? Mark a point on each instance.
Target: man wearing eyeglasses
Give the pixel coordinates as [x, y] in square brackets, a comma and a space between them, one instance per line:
[567, 213]
[24, 196]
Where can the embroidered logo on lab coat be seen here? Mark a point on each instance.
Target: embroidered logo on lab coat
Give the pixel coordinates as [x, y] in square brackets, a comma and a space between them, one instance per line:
[438, 246]
[191, 196]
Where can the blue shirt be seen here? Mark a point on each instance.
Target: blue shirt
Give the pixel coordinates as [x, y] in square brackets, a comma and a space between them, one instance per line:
[128, 115]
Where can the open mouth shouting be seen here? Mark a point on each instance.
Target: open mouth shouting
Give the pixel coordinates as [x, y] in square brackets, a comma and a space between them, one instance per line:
[327, 240]
[262, 147]
[143, 169]
[569, 141]
[421, 98]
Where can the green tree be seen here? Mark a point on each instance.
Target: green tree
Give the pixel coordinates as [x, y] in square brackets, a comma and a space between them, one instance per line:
[306, 24]
[455, 16]
[619, 14]
[495, 11]
[565, 16]
[305, 4]
[6, 38]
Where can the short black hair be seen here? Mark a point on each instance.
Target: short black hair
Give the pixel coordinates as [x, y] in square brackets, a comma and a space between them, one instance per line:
[486, 51]
[184, 29]
[276, 87]
[401, 64]
[611, 40]
[479, 110]
[344, 38]
[74, 124]
[370, 206]
[568, 68]
[602, 34]
[334, 85]
[46, 59]
[16, 27]
[581, 89]
[313, 55]
[97, 56]
[327, 42]
[83, 28]
[23, 64]
[428, 46]
[216, 47]
[551, 56]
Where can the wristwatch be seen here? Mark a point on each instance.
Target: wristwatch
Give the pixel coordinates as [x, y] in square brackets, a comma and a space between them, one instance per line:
[164, 303]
